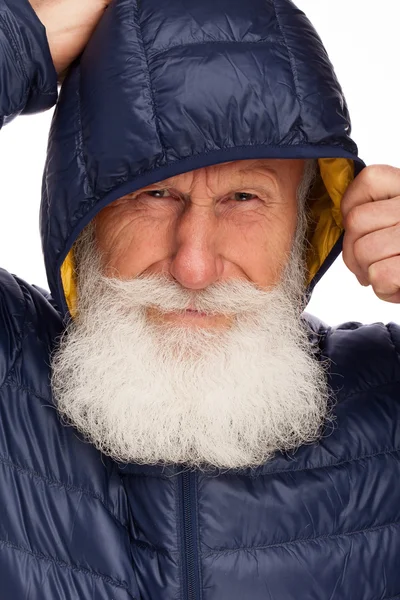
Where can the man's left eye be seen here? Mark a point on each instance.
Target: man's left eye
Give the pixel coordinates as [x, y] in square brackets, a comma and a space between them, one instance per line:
[244, 196]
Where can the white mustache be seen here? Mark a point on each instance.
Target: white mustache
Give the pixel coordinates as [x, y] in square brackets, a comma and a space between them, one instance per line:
[223, 298]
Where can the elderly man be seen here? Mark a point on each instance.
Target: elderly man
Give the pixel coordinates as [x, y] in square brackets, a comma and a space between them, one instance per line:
[173, 427]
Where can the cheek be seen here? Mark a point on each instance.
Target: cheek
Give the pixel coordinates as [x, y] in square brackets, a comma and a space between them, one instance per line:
[261, 248]
[131, 242]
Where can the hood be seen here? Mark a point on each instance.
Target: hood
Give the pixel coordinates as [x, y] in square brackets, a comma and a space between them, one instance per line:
[168, 87]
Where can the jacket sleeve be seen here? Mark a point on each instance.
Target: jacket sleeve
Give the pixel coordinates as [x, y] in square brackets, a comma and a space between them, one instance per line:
[28, 80]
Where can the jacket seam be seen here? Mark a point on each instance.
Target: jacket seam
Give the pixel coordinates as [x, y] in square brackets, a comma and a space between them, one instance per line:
[199, 565]
[292, 58]
[178, 512]
[9, 382]
[81, 161]
[23, 103]
[19, 336]
[53, 482]
[81, 143]
[369, 389]
[166, 49]
[41, 92]
[14, 45]
[330, 466]
[136, 23]
[388, 328]
[148, 475]
[333, 536]
[143, 545]
[65, 565]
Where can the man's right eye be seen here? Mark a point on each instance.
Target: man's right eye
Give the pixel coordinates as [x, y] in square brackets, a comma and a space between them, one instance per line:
[158, 193]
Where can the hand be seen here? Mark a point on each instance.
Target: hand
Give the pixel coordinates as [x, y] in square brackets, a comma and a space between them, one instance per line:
[371, 217]
[69, 25]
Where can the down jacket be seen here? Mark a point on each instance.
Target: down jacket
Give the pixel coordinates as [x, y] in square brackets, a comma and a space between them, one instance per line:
[162, 88]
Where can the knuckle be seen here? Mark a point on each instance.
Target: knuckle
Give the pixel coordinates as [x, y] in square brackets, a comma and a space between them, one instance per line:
[381, 276]
[354, 218]
[371, 173]
[375, 175]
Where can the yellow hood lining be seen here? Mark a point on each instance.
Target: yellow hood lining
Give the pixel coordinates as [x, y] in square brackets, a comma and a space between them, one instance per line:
[335, 175]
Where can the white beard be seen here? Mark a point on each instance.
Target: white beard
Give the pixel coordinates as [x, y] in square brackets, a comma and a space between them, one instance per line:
[148, 393]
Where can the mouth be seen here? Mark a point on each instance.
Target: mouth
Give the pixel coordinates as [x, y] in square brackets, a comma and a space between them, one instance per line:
[191, 316]
[195, 313]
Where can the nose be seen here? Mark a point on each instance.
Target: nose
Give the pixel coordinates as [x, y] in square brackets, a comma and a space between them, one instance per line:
[196, 263]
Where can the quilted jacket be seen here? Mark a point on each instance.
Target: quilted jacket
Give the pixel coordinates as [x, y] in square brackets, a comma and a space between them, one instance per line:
[167, 86]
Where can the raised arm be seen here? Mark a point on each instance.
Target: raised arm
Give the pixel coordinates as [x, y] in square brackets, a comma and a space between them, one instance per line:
[38, 41]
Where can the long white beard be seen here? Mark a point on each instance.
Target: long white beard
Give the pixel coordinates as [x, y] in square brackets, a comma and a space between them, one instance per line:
[149, 393]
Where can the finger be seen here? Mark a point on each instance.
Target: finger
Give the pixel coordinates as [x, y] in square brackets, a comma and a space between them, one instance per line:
[375, 183]
[385, 279]
[375, 247]
[366, 218]
[351, 261]
[362, 220]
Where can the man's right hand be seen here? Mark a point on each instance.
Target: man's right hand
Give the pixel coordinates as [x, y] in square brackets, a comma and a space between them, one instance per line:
[69, 25]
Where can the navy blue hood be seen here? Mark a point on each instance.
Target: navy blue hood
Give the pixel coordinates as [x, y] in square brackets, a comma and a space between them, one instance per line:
[165, 87]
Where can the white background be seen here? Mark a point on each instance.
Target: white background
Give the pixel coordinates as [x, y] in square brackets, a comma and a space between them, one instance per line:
[362, 39]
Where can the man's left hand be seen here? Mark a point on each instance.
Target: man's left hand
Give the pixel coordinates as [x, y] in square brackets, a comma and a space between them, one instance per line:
[371, 217]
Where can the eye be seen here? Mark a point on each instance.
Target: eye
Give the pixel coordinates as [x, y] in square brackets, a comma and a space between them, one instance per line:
[158, 193]
[244, 197]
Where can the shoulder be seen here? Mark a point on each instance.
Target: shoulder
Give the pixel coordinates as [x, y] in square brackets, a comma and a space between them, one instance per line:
[29, 324]
[33, 438]
[360, 357]
[61, 485]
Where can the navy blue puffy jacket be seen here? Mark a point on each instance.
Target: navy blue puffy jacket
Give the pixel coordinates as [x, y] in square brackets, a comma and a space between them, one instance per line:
[162, 88]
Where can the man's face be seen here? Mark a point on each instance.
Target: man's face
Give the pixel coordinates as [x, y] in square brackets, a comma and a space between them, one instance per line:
[233, 221]
[188, 346]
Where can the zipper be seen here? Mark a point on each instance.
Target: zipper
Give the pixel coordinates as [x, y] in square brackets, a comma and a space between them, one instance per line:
[191, 579]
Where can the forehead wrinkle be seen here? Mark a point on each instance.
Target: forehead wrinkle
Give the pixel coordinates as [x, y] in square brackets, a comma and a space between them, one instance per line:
[214, 177]
[243, 173]
[234, 176]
